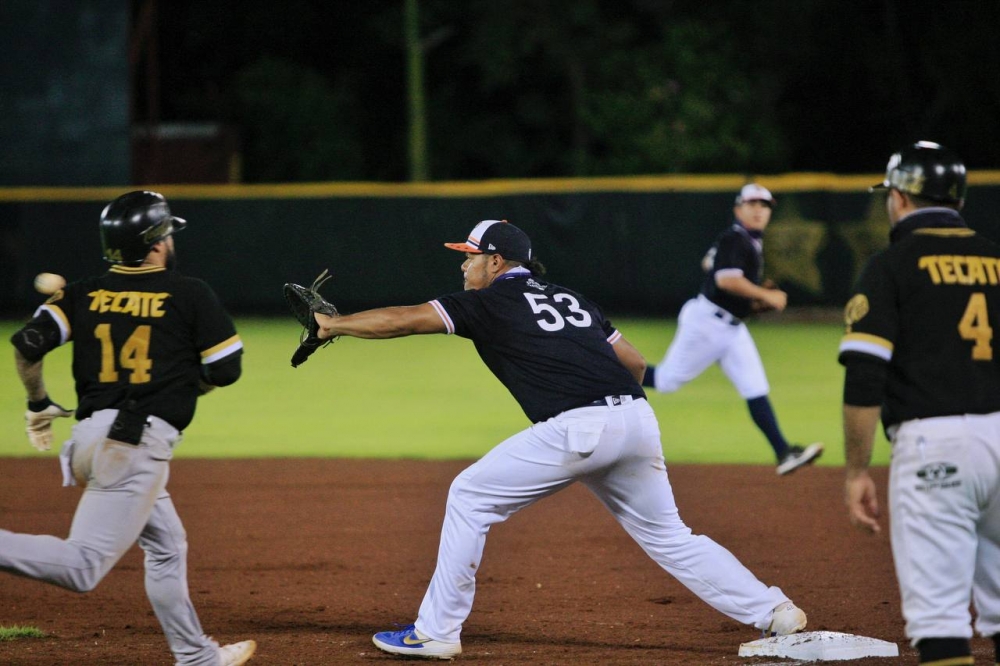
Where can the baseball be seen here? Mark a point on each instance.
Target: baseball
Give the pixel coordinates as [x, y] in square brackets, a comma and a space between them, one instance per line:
[49, 283]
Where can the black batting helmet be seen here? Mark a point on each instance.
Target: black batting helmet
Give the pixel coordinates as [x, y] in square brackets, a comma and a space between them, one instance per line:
[133, 223]
[926, 169]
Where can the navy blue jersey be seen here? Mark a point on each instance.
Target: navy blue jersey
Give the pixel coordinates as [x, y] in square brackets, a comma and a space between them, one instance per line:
[140, 337]
[735, 250]
[548, 345]
[928, 307]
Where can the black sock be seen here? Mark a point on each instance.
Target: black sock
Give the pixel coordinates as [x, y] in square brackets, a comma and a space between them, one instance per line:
[763, 416]
[940, 649]
[996, 648]
[647, 378]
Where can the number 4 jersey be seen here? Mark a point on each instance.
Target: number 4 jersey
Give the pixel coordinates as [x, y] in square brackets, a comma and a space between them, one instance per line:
[140, 338]
[928, 306]
[548, 345]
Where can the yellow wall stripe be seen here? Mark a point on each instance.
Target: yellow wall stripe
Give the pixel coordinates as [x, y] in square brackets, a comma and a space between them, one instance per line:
[781, 183]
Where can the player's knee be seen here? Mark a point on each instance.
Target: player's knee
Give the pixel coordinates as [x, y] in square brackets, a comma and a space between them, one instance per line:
[474, 506]
[955, 651]
[84, 579]
[165, 555]
[458, 492]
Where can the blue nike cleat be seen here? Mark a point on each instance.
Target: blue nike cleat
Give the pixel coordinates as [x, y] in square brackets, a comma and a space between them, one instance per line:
[411, 643]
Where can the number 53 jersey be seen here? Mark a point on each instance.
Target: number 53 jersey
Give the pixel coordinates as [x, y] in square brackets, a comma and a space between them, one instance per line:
[548, 345]
[140, 337]
[929, 307]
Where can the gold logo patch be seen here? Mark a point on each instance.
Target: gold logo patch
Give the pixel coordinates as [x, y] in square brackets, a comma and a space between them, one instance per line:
[855, 310]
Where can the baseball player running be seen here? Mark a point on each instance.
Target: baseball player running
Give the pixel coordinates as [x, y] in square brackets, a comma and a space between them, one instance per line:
[710, 327]
[920, 351]
[577, 380]
[147, 342]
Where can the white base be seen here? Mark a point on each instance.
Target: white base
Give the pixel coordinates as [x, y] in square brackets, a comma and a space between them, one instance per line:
[819, 646]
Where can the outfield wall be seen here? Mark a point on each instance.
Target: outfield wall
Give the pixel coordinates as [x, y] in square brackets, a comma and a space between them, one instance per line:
[632, 244]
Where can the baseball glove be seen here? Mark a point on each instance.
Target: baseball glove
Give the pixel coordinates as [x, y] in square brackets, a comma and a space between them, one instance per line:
[304, 303]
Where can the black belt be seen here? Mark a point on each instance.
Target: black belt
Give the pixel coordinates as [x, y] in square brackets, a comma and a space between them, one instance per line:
[728, 318]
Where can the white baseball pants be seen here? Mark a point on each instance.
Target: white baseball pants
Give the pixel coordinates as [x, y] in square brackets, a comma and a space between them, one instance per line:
[707, 334]
[125, 500]
[615, 451]
[944, 503]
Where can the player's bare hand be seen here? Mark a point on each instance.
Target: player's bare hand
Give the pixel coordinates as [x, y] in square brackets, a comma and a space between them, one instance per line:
[862, 503]
[38, 424]
[776, 299]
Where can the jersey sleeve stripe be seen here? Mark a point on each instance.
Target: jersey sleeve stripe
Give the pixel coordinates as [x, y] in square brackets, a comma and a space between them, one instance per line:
[65, 331]
[448, 323]
[864, 343]
[222, 350]
[728, 272]
[615, 337]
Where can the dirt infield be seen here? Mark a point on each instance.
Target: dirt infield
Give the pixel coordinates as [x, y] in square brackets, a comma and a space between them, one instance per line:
[310, 557]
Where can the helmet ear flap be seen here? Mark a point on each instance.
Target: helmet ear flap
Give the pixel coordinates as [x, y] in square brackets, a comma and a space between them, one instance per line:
[134, 222]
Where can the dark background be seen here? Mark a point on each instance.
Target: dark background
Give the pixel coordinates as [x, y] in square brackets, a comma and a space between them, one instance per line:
[172, 95]
[106, 91]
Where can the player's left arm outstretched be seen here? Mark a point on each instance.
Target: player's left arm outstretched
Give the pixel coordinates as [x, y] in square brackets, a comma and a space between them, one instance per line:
[382, 323]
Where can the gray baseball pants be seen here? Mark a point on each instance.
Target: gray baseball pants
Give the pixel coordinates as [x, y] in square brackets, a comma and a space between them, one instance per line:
[125, 500]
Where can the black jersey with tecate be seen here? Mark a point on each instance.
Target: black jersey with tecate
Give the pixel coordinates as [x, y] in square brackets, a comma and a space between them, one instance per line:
[735, 248]
[929, 306]
[548, 345]
[139, 338]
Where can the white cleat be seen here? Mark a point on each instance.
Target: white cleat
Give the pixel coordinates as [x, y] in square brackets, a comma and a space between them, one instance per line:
[799, 456]
[236, 654]
[787, 619]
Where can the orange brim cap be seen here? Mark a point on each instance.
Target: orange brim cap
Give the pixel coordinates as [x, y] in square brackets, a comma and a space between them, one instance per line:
[475, 237]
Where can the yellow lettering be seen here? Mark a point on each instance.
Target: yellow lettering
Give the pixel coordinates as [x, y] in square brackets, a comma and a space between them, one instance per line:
[118, 305]
[157, 304]
[960, 263]
[132, 303]
[929, 264]
[990, 263]
[947, 269]
[977, 275]
[960, 269]
[134, 306]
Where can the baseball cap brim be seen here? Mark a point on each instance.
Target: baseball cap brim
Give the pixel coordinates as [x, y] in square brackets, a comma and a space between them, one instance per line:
[463, 247]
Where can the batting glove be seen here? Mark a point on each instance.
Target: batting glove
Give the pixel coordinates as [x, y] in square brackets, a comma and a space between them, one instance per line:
[39, 419]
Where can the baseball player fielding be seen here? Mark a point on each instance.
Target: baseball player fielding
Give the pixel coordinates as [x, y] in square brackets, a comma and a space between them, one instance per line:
[49, 283]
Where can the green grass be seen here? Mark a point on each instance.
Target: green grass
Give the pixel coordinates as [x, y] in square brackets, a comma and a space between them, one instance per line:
[431, 397]
[15, 632]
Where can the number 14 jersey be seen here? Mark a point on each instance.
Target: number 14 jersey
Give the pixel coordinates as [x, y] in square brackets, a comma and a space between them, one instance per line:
[140, 337]
[548, 345]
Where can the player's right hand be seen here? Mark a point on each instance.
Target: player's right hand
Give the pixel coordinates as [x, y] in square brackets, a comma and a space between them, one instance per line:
[776, 299]
[39, 424]
[862, 503]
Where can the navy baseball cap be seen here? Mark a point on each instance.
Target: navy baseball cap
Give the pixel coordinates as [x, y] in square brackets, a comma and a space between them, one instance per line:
[496, 237]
